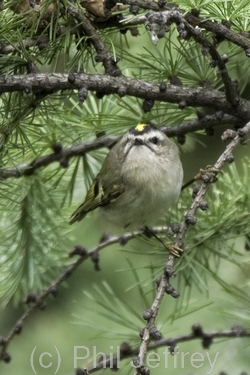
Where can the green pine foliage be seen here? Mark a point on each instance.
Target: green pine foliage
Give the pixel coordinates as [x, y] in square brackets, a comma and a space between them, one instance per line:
[35, 208]
[31, 127]
[32, 252]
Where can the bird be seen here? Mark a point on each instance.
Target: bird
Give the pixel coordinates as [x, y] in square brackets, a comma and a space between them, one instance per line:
[141, 177]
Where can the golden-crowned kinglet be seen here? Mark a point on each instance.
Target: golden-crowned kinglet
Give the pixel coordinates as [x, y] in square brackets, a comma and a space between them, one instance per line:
[140, 179]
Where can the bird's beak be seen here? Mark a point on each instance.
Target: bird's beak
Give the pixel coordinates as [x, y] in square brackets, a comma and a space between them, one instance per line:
[131, 143]
[138, 142]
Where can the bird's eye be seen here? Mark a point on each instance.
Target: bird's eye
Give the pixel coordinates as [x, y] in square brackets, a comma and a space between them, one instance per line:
[154, 140]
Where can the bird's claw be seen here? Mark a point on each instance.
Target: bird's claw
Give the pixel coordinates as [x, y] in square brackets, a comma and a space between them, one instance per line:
[174, 250]
[208, 174]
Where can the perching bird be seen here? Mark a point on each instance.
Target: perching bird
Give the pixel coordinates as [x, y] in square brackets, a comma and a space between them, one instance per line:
[141, 177]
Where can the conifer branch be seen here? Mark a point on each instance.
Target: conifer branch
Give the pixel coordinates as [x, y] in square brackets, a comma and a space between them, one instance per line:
[186, 31]
[146, 4]
[206, 337]
[204, 122]
[163, 286]
[60, 154]
[103, 54]
[220, 30]
[218, 61]
[229, 107]
[208, 177]
[40, 41]
[38, 301]
[104, 84]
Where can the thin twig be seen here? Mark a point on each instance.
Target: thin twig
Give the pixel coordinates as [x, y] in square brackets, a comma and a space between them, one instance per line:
[145, 4]
[186, 30]
[170, 343]
[193, 19]
[164, 285]
[216, 28]
[206, 123]
[208, 177]
[220, 31]
[40, 41]
[66, 273]
[103, 55]
[61, 154]
[220, 62]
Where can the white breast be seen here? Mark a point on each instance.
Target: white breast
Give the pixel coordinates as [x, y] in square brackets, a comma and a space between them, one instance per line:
[151, 187]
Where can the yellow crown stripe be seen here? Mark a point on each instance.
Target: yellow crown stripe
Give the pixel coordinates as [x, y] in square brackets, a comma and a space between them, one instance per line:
[140, 127]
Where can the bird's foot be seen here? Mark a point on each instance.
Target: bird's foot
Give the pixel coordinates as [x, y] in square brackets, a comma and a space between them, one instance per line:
[208, 174]
[174, 250]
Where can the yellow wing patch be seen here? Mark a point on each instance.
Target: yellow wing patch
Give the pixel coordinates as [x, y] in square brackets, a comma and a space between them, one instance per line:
[96, 196]
[140, 127]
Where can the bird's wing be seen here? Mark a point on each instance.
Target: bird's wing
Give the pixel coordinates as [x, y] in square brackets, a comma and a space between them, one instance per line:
[96, 196]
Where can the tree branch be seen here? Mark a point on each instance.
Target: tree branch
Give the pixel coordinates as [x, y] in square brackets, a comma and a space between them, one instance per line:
[197, 333]
[221, 31]
[193, 19]
[208, 177]
[38, 301]
[40, 41]
[192, 96]
[206, 123]
[164, 285]
[185, 31]
[60, 155]
[220, 62]
[103, 54]
[146, 4]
